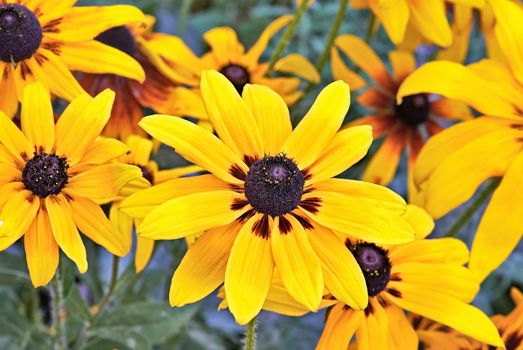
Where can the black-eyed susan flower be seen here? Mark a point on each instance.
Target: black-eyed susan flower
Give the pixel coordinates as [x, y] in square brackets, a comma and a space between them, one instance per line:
[269, 185]
[45, 40]
[140, 150]
[228, 56]
[425, 277]
[428, 18]
[157, 92]
[55, 176]
[403, 126]
[454, 163]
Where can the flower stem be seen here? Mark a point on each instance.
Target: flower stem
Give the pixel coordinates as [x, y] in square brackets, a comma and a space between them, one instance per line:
[250, 335]
[472, 209]
[288, 34]
[57, 292]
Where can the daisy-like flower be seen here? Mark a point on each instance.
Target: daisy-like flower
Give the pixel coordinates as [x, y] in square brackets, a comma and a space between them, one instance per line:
[157, 92]
[403, 125]
[45, 40]
[140, 150]
[425, 277]
[228, 56]
[454, 163]
[268, 196]
[54, 178]
[428, 17]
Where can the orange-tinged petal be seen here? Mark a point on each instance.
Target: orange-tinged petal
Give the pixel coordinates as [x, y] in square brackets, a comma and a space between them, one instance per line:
[403, 63]
[37, 117]
[383, 165]
[339, 329]
[340, 71]
[8, 97]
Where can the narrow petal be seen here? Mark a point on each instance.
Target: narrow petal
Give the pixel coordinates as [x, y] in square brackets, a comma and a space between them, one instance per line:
[14, 140]
[347, 148]
[430, 19]
[230, 116]
[453, 182]
[140, 204]
[94, 57]
[249, 272]
[165, 175]
[342, 274]
[402, 335]
[17, 214]
[381, 124]
[202, 269]
[307, 141]
[81, 123]
[451, 109]
[41, 250]
[191, 214]
[224, 44]
[195, 144]
[65, 231]
[37, 117]
[144, 251]
[441, 250]
[357, 218]
[299, 266]
[339, 329]
[504, 215]
[9, 96]
[395, 16]
[403, 63]
[383, 165]
[374, 329]
[420, 220]
[103, 150]
[141, 149]
[298, 65]
[340, 71]
[254, 53]
[271, 114]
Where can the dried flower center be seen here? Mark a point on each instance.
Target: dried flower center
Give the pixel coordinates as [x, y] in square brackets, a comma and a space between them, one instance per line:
[146, 173]
[237, 75]
[274, 185]
[45, 174]
[20, 33]
[375, 265]
[120, 38]
[414, 109]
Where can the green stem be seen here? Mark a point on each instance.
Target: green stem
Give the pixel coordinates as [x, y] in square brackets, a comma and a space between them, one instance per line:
[370, 28]
[57, 292]
[250, 335]
[473, 208]
[288, 34]
[184, 14]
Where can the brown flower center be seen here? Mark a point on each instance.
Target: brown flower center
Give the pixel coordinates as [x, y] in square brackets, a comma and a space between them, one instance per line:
[20, 33]
[375, 265]
[413, 110]
[120, 38]
[237, 75]
[45, 174]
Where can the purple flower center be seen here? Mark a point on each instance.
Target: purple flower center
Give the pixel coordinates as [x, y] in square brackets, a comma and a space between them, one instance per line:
[237, 75]
[120, 38]
[375, 265]
[45, 174]
[20, 33]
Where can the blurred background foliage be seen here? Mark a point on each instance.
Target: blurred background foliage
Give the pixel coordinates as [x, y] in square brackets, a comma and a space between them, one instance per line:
[139, 316]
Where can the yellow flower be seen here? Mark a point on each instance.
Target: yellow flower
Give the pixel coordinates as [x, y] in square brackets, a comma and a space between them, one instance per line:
[54, 178]
[139, 155]
[425, 277]
[454, 163]
[45, 40]
[269, 189]
[156, 92]
[402, 126]
[428, 17]
[435, 336]
[176, 60]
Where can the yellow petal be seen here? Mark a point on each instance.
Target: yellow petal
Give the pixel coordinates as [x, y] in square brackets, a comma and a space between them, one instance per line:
[93, 223]
[441, 250]
[164, 175]
[41, 250]
[298, 65]
[462, 25]
[403, 63]
[37, 117]
[9, 97]
[454, 181]
[308, 140]
[430, 19]
[420, 220]
[401, 333]
[140, 204]
[17, 215]
[195, 144]
[14, 140]
[230, 116]
[249, 271]
[299, 266]
[357, 218]
[144, 251]
[9, 190]
[455, 81]
[271, 114]
[394, 15]
[342, 274]
[500, 228]
[373, 331]
[141, 149]
[94, 57]
[346, 148]
[81, 123]
[339, 329]
[103, 150]
[224, 44]
[341, 72]
[65, 231]
[191, 214]
[123, 223]
[202, 269]
[383, 165]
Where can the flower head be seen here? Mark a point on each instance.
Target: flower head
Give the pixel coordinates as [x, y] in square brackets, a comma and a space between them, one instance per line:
[269, 200]
[55, 176]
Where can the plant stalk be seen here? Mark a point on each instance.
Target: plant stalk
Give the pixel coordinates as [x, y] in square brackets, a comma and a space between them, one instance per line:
[250, 335]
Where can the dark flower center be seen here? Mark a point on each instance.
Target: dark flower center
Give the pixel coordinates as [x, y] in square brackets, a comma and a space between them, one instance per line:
[120, 38]
[20, 33]
[45, 174]
[274, 185]
[414, 109]
[375, 265]
[146, 173]
[237, 75]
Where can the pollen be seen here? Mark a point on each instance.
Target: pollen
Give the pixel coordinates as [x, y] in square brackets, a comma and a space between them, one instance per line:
[20, 33]
[274, 185]
[45, 174]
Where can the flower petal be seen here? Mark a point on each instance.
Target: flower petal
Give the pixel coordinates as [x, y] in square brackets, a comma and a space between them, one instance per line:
[224, 44]
[339, 329]
[420, 220]
[14, 140]
[37, 117]
[401, 333]
[430, 19]
[340, 71]
[298, 65]
[394, 15]
[17, 214]
[9, 96]
[403, 63]
[103, 150]
[440, 250]
[144, 251]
